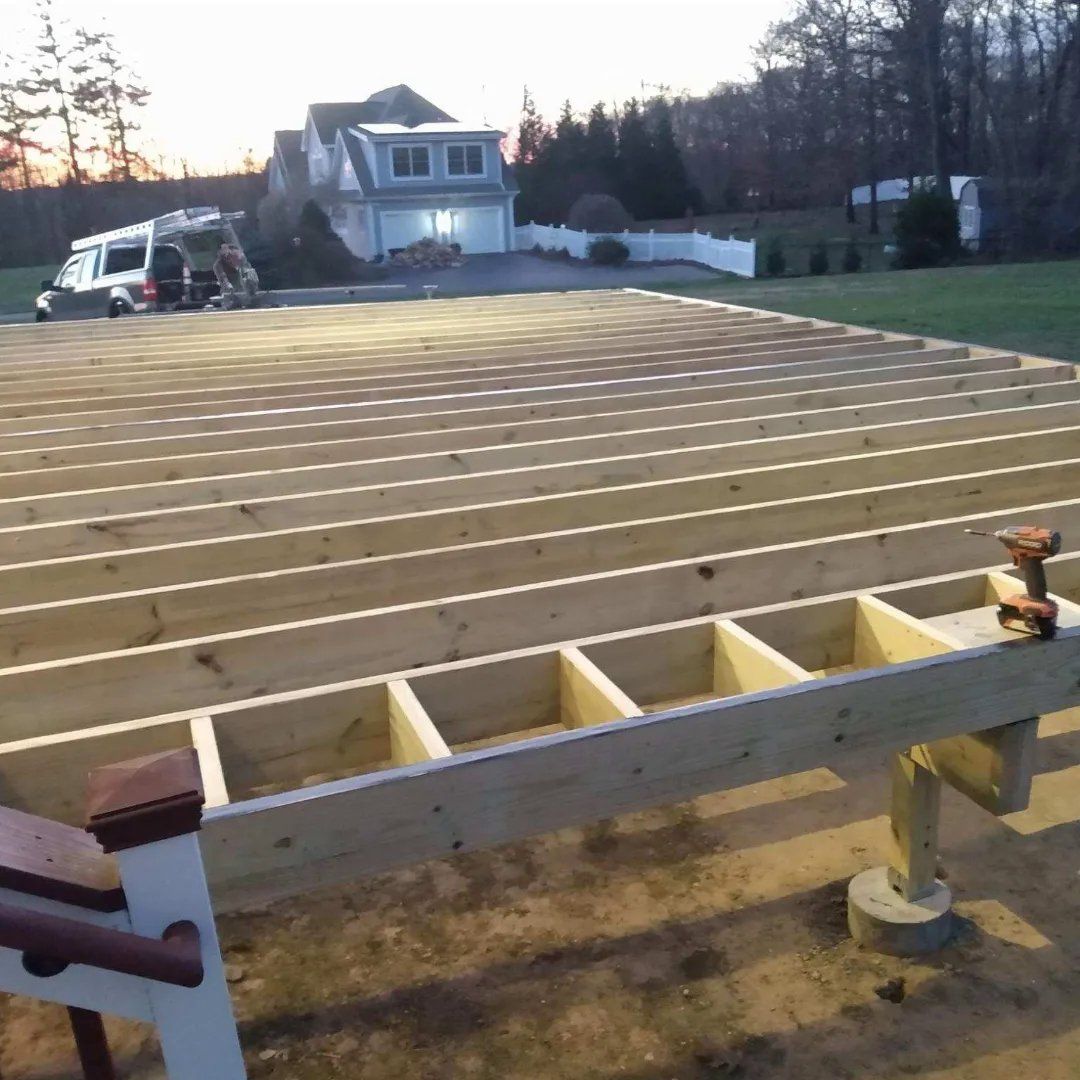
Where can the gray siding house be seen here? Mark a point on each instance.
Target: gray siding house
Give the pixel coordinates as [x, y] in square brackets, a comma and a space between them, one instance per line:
[395, 168]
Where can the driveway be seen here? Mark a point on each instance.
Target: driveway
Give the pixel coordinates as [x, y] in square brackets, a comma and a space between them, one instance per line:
[485, 274]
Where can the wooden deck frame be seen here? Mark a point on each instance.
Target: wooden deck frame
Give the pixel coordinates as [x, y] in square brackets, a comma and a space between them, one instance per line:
[690, 540]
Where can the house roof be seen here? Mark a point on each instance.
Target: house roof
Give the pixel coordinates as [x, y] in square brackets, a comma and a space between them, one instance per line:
[453, 127]
[287, 147]
[329, 116]
[403, 105]
[359, 162]
[398, 105]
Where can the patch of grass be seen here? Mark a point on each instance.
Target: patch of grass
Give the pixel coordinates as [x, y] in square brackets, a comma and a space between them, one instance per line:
[20, 285]
[1026, 307]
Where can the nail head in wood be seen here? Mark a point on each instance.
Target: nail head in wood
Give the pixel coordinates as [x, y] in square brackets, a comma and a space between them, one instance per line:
[144, 800]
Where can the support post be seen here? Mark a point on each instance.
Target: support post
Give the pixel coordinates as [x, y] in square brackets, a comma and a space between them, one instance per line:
[902, 909]
[91, 1044]
[914, 814]
[148, 811]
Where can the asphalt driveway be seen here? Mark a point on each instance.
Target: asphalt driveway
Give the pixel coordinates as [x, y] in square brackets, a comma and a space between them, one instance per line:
[483, 275]
[519, 272]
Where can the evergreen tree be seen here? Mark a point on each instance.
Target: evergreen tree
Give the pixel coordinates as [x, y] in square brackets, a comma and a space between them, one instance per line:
[601, 152]
[562, 166]
[669, 189]
[533, 133]
[532, 139]
[636, 161]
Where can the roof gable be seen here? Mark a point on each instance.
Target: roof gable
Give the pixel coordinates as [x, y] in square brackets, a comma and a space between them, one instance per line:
[393, 105]
[290, 155]
[402, 105]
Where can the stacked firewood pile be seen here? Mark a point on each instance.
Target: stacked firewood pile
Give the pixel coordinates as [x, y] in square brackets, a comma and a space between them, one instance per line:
[429, 254]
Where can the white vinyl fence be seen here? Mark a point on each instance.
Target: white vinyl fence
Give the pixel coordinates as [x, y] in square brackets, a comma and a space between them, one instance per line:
[735, 256]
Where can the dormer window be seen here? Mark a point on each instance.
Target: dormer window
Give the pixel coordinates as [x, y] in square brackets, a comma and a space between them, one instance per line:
[465, 159]
[410, 162]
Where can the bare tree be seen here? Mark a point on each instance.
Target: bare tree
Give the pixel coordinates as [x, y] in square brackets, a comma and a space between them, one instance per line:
[111, 93]
[19, 121]
[59, 78]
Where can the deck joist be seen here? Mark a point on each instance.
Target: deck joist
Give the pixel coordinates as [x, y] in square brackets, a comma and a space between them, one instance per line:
[479, 568]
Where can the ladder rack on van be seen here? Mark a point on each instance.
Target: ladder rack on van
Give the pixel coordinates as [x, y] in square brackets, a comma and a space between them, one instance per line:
[178, 221]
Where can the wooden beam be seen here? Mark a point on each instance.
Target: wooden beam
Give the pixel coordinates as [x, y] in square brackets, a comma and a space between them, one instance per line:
[199, 674]
[992, 767]
[128, 531]
[332, 394]
[358, 446]
[51, 631]
[508, 793]
[564, 345]
[283, 740]
[413, 737]
[586, 695]
[743, 664]
[500, 461]
[119, 442]
[204, 740]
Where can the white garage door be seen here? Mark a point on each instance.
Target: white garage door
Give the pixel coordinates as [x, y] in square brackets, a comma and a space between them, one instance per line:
[479, 229]
[401, 227]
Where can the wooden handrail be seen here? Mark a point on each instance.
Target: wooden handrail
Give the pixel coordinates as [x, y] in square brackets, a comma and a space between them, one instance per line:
[50, 943]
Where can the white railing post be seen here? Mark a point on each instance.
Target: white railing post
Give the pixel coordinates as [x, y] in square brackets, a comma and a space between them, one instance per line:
[148, 812]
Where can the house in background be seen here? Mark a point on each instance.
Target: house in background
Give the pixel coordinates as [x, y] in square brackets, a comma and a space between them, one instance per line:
[395, 168]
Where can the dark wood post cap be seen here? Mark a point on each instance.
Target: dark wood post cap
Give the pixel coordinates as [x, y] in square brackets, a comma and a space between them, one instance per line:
[146, 799]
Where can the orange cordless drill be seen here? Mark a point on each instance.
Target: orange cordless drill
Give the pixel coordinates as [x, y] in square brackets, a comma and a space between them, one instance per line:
[1029, 546]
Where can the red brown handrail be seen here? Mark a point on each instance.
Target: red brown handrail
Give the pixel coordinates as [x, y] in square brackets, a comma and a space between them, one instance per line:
[174, 959]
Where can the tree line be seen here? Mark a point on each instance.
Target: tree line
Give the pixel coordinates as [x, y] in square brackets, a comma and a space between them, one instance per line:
[848, 92]
[69, 106]
[632, 155]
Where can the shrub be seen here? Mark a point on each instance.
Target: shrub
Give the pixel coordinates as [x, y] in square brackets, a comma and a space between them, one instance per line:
[927, 231]
[599, 214]
[775, 263]
[301, 250]
[607, 251]
[852, 258]
[819, 259]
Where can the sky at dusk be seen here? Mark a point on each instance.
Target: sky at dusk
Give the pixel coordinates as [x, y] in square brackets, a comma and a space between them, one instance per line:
[225, 74]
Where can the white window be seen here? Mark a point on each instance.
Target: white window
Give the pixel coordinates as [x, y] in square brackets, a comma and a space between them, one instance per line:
[465, 159]
[410, 162]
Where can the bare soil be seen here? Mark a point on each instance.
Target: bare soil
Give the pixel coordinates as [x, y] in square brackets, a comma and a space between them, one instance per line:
[696, 941]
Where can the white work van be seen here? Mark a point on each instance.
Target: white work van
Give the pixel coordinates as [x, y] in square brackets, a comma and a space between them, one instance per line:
[166, 264]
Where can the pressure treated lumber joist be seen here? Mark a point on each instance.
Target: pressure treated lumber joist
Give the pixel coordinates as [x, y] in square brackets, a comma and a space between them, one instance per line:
[30, 635]
[331, 450]
[546, 403]
[290, 426]
[370, 540]
[62, 695]
[294, 738]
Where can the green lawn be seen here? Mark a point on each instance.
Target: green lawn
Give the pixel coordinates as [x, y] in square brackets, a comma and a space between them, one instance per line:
[18, 287]
[1026, 307]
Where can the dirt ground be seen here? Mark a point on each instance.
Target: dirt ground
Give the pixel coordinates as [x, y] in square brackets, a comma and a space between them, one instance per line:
[697, 941]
